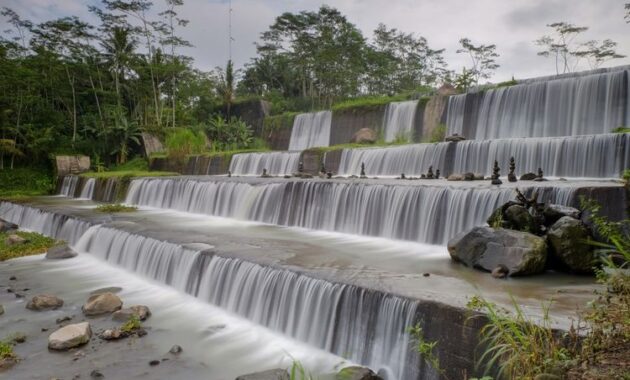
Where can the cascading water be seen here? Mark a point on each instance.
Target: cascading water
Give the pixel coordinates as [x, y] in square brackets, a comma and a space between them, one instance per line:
[428, 214]
[399, 119]
[594, 156]
[69, 185]
[585, 104]
[408, 159]
[276, 163]
[369, 327]
[310, 130]
[58, 226]
[88, 189]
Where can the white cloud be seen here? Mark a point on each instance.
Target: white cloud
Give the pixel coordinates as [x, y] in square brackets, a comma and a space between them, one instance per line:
[511, 25]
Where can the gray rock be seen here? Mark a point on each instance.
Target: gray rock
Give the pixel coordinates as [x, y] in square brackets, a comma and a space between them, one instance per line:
[455, 177]
[553, 213]
[272, 374]
[454, 138]
[18, 337]
[99, 304]
[567, 242]
[140, 311]
[469, 176]
[176, 350]
[70, 336]
[96, 374]
[364, 136]
[7, 226]
[60, 252]
[14, 239]
[478, 177]
[500, 272]
[7, 363]
[44, 302]
[1, 309]
[518, 218]
[486, 248]
[357, 373]
[528, 177]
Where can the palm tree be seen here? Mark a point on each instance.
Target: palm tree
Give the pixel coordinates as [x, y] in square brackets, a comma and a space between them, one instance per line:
[119, 48]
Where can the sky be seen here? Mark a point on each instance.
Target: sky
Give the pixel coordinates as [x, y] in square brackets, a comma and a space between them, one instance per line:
[513, 25]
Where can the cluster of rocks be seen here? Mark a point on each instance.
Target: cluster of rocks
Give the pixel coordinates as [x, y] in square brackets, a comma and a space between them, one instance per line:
[525, 237]
[7, 226]
[496, 172]
[348, 373]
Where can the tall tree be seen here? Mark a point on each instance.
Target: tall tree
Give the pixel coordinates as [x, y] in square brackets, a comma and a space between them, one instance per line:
[561, 45]
[482, 58]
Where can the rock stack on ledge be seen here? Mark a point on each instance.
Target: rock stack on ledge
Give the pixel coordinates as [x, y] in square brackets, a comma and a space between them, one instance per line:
[525, 237]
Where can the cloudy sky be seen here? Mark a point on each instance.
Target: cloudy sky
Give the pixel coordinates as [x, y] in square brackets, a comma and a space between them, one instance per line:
[512, 25]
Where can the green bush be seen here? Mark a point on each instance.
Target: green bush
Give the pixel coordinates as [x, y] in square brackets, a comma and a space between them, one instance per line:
[25, 181]
[182, 142]
[229, 135]
[367, 102]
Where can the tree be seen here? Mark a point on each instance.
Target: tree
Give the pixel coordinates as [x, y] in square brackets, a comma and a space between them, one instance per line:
[568, 51]
[561, 45]
[482, 58]
[596, 53]
[226, 86]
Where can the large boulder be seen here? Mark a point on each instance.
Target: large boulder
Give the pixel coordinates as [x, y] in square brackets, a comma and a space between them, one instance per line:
[357, 373]
[44, 302]
[364, 136]
[7, 226]
[70, 336]
[567, 242]
[553, 213]
[272, 374]
[486, 248]
[99, 304]
[518, 218]
[140, 311]
[60, 252]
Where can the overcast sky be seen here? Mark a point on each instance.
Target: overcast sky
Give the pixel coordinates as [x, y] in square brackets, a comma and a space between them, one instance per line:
[512, 25]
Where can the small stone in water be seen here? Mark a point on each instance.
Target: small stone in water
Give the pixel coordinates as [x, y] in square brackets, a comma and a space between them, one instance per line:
[12, 278]
[96, 374]
[426, 274]
[154, 363]
[176, 349]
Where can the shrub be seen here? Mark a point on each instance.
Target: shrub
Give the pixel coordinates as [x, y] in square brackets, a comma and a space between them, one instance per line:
[132, 324]
[6, 350]
[232, 135]
[35, 244]
[183, 142]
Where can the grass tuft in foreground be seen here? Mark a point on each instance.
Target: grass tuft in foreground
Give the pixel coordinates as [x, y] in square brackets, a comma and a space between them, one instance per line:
[117, 207]
[35, 244]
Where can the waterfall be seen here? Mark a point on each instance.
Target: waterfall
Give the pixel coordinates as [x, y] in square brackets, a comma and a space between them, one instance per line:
[364, 326]
[399, 119]
[310, 130]
[69, 185]
[368, 327]
[88, 189]
[593, 156]
[276, 163]
[455, 114]
[582, 104]
[428, 214]
[58, 226]
[412, 160]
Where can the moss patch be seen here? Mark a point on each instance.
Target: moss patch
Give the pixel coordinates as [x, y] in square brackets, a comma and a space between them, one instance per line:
[127, 173]
[367, 103]
[35, 244]
[111, 208]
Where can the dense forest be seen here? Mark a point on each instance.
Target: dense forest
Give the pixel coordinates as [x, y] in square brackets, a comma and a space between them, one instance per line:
[67, 86]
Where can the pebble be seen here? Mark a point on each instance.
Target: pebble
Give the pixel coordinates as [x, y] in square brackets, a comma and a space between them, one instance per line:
[426, 274]
[176, 349]
[12, 278]
[96, 374]
[153, 363]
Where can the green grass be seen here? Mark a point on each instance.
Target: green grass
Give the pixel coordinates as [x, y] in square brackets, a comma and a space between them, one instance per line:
[117, 207]
[277, 122]
[35, 244]
[127, 173]
[6, 350]
[621, 130]
[25, 182]
[367, 102]
[136, 164]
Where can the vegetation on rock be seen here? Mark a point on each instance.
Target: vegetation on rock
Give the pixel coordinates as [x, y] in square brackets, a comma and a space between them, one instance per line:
[35, 244]
[113, 208]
